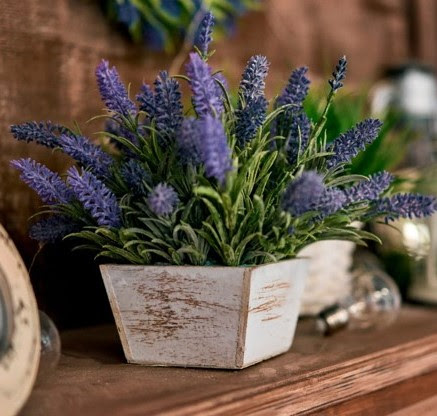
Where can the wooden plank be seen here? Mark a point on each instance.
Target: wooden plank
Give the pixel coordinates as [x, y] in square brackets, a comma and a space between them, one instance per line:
[425, 408]
[408, 394]
[316, 373]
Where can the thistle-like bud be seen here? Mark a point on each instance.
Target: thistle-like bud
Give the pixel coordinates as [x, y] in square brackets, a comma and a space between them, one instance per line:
[163, 199]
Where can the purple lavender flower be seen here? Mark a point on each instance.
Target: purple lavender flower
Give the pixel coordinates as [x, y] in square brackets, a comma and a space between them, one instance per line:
[204, 33]
[339, 74]
[168, 106]
[47, 184]
[134, 175]
[349, 144]
[86, 154]
[331, 201]
[294, 95]
[405, 206]
[369, 190]
[163, 199]
[146, 98]
[205, 98]
[249, 119]
[95, 197]
[253, 79]
[296, 90]
[215, 152]
[298, 137]
[303, 193]
[112, 91]
[52, 229]
[189, 141]
[44, 133]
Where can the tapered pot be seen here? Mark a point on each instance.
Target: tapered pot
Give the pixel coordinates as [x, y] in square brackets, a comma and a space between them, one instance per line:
[217, 317]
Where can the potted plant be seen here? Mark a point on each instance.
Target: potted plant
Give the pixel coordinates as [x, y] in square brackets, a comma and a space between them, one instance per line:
[202, 214]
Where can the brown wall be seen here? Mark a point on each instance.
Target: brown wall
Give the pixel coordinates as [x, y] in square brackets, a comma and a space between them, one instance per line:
[49, 49]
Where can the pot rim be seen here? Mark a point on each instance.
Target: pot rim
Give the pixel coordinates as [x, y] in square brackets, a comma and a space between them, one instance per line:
[300, 259]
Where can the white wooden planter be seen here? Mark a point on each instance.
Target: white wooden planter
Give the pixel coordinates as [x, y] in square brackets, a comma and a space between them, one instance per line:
[219, 317]
[329, 276]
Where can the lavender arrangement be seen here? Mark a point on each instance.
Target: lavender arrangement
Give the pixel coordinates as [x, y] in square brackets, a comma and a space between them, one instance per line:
[213, 183]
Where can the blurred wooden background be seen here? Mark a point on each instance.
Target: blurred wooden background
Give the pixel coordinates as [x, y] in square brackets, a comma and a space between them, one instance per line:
[50, 48]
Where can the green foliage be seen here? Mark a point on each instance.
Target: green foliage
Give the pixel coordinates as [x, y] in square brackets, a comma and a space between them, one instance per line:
[389, 148]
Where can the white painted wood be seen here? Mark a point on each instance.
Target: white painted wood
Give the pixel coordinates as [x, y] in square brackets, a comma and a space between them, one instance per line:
[201, 316]
[329, 276]
[19, 361]
[274, 303]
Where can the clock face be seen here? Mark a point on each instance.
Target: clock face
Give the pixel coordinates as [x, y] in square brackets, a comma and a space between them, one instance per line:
[19, 330]
[6, 314]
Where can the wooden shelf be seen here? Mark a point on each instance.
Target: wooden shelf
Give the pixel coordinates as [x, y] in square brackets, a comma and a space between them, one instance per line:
[339, 372]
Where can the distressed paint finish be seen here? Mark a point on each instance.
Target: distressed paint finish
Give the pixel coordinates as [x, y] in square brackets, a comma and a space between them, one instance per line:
[19, 361]
[218, 317]
[274, 303]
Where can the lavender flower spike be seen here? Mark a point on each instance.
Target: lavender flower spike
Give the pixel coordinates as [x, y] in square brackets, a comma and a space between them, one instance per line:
[41, 133]
[95, 197]
[163, 199]
[296, 90]
[134, 175]
[215, 152]
[349, 144]
[303, 193]
[204, 33]
[112, 91]
[405, 206]
[249, 119]
[369, 190]
[52, 229]
[331, 201]
[205, 93]
[189, 140]
[146, 98]
[86, 153]
[168, 107]
[253, 79]
[339, 74]
[47, 184]
[298, 137]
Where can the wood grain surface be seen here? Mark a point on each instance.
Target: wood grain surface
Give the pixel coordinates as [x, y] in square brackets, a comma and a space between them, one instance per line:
[317, 373]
